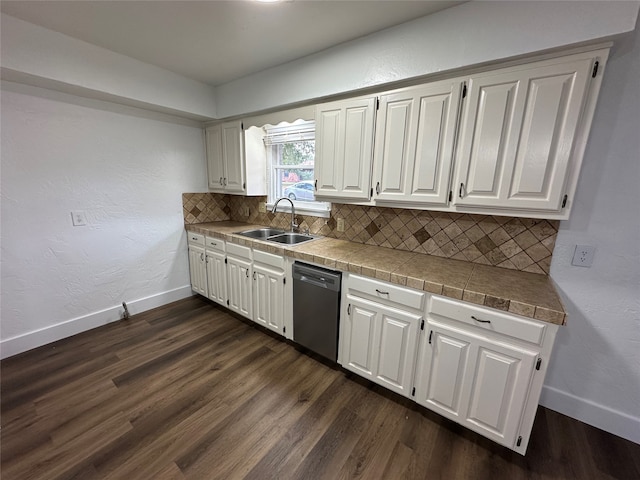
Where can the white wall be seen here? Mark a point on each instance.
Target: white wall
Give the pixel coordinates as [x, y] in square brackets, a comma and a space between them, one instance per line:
[38, 56]
[595, 371]
[127, 170]
[468, 34]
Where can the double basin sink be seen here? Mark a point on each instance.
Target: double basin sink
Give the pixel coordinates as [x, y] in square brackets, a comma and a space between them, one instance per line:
[276, 236]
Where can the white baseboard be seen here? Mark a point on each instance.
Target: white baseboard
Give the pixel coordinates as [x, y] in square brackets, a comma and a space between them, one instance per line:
[37, 338]
[599, 416]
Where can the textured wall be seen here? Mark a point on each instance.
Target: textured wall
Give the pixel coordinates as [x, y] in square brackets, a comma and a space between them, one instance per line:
[126, 172]
[469, 34]
[595, 373]
[515, 243]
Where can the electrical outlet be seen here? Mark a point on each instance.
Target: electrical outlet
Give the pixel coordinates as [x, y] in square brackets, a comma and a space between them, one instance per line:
[262, 207]
[341, 224]
[245, 211]
[583, 255]
[79, 218]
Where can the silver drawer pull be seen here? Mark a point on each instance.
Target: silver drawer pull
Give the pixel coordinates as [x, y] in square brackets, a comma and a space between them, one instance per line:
[381, 292]
[481, 321]
[194, 238]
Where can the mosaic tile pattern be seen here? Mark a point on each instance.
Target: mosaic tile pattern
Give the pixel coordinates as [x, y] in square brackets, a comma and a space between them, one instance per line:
[204, 207]
[523, 244]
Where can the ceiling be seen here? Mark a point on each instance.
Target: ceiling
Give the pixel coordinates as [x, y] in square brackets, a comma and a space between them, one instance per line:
[219, 41]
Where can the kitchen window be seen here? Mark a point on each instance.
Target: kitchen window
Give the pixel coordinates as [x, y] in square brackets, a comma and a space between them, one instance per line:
[290, 149]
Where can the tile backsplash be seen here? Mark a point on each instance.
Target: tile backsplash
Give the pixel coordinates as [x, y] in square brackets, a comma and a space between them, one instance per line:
[515, 243]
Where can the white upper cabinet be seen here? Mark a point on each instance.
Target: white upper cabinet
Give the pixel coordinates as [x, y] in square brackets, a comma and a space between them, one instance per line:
[414, 144]
[517, 142]
[344, 148]
[229, 150]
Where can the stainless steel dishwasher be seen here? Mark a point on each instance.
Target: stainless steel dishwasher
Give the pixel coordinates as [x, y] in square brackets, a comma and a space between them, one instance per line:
[316, 309]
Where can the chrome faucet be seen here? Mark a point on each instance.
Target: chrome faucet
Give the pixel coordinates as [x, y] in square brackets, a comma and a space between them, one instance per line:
[294, 225]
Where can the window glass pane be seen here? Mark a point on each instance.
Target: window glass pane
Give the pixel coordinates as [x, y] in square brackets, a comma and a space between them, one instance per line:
[291, 153]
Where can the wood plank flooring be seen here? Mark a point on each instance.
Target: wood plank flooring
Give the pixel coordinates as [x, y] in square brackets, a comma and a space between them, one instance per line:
[188, 391]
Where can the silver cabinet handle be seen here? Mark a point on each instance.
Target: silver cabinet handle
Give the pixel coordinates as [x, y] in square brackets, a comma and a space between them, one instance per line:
[247, 273]
[202, 256]
[220, 181]
[461, 191]
[378, 188]
[206, 258]
[316, 184]
[254, 275]
[381, 292]
[224, 181]
[481, 321]
[349, 310]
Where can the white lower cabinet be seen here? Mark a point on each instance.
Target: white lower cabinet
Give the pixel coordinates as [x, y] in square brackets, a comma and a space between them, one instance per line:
[197, 263]
[379, 343]
[480, 383]
[239, 280]
[216, 270]
[269, 291]
[379, 335]
[479, 367]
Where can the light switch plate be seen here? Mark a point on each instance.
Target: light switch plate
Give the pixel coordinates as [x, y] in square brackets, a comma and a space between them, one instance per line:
[79, 218]
[262, 207]
[340, 225]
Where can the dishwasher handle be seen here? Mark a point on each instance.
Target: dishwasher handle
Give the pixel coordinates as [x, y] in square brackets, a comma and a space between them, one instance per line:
[316, 276]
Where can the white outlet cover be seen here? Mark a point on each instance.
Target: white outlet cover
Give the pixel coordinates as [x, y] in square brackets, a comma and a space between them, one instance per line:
[583, 255]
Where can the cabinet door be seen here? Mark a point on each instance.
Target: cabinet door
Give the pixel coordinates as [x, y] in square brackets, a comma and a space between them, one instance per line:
[239, 285]
[198, 270]
[480, 383]
[344, 148]
[215, 161]
[517, 135]
[217, 277]
[360, 329]
[414, 143]
[268, 296]
[233, 153]
[380, 344]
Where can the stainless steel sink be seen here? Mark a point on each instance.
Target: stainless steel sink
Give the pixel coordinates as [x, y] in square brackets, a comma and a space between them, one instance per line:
[261, 233]
[290, 238]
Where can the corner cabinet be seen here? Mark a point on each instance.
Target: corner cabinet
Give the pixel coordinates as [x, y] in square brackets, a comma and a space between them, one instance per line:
[344, 148]
[234, 164]
[518, 132]
[414, 144]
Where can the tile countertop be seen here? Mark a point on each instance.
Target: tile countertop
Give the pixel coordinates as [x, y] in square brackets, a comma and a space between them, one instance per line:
[527, 294]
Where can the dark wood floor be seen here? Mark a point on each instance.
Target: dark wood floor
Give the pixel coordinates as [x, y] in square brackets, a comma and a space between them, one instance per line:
[189, 391]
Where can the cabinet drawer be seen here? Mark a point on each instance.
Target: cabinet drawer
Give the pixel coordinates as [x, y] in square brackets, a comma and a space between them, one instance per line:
[271, 259]
[239, 250]
[487, 319]
[386, 292]
[195, 238]
[215, 244]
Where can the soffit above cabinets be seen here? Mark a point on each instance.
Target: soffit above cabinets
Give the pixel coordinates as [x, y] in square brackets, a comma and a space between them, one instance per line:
[216, 42]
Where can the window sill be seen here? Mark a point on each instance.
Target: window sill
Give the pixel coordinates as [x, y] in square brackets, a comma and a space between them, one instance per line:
[322, 210]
